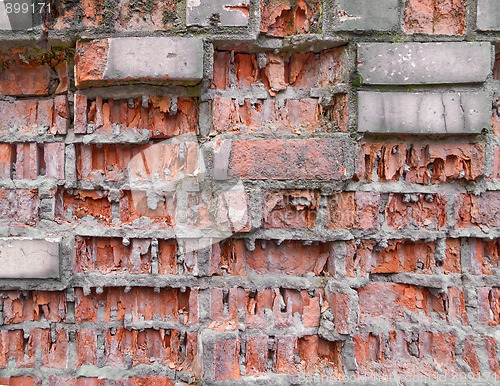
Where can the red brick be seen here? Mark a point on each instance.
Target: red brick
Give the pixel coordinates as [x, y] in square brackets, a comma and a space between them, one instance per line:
[80, 109]
[109, 255]
[226, 359]
[353, 210]
[485, 256]
[54, 354]
[339, 304]
[23, 79]
[420, 162]
[299, 70]
[78, 204]
[141, 303]
[284, 354]
[452, 264]
[290, 209]
[12, 345]
[491, 352]
[6, 161]
[475, 211]
[496, 163]
[256, 355]
[60, 121]
[368, 348]
[439, 346]
[167, 257]
[269, 258]
[89, 62]
[86, 347]
[404, 256]
[316, 70]
[85, 306]
[287, 17]
[421, 214]
[435, 16]
[145, 347]
[489, 306]
[395, 302]
[322, 159]
[19, 206]
[162, 118]
[80, 381]
[54, 160]
[21, 381]
[319, 356]
[145, 381]
[133, 205]
[469, 355]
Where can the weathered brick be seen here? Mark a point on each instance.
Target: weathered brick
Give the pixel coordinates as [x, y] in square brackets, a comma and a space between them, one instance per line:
[404, 256]
[420, 162]
[290, 209]
[475, 211]
[12, 345]
[28, 258]
[145, 381]
[24, 79]
[256, 354]
[80, 381]
[353, 210]
[423, 63]
[82, 204]
[86, 347]
[140, 303]
[109, 255]
[489, 305]
[269, 258]
[230, 12]
[163, 117]
[21, 307]
[226, 359]
[152, 59]
[21, 381]
[405, 302]
[269, 115]
[54, 160]
[339, 304]
[452, 263]
[485, 256]
[53, 347]
[19, 206]
[465, 112]
[288, 17]
[435, 17]
[361, 16]
[300, 70]
[470, 356]
[292, 159]
[146, 347]
[491, 353]
[416, 211]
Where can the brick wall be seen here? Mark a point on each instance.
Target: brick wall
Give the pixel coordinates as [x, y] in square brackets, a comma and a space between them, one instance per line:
[233, 192]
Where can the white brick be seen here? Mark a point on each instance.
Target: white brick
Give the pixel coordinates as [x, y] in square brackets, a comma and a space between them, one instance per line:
[27, 258]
